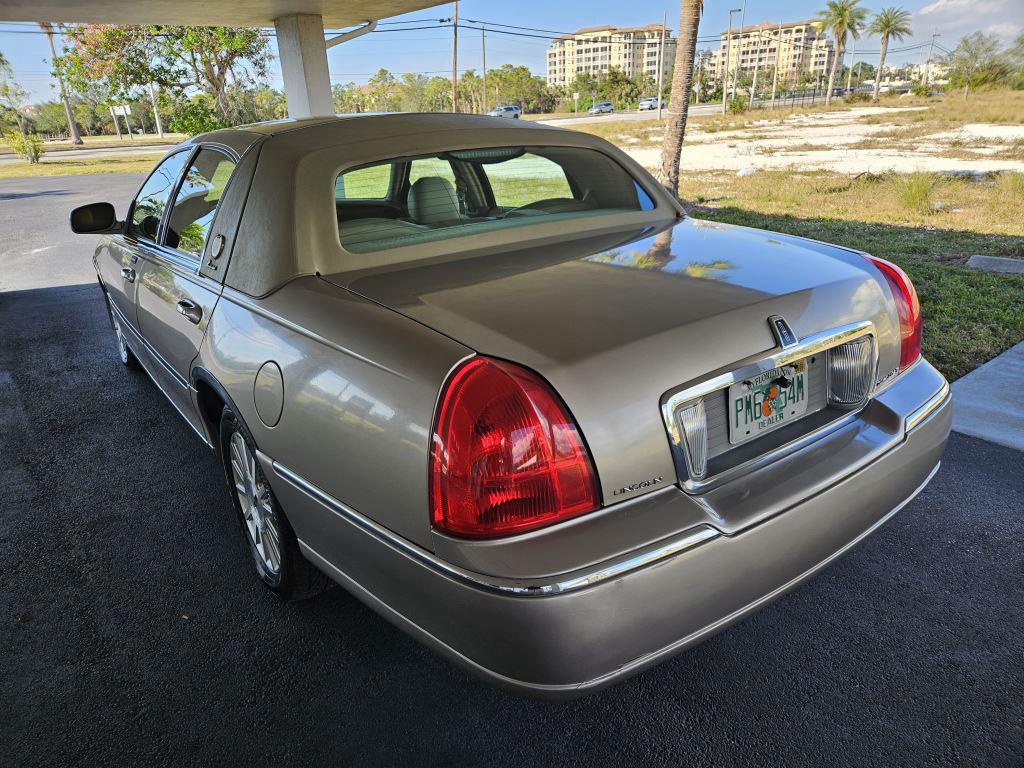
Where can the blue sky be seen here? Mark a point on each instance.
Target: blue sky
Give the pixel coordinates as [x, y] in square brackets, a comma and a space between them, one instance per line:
[429, 51]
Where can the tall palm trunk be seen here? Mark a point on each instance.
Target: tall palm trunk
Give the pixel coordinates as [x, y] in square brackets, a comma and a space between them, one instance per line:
[840, 53]
[679, 98]
[881, 65]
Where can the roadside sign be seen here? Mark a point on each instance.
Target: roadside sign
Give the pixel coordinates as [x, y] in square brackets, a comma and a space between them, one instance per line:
[124, 110]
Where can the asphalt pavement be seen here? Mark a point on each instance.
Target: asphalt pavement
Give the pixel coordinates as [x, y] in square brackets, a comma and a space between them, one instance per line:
[134, 633]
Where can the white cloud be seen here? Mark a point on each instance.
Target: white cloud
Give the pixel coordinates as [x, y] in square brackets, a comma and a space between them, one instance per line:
[953, 19]
[958, 6]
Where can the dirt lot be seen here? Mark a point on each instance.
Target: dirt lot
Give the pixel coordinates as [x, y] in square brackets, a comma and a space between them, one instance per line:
[860, 140]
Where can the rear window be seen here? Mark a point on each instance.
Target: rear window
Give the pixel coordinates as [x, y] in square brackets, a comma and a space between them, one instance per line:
[412, 200]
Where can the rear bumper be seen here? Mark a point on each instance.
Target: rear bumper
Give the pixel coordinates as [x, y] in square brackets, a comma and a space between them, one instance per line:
[582, 631]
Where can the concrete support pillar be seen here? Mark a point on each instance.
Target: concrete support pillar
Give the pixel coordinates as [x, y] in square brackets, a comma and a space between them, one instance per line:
[303, 52]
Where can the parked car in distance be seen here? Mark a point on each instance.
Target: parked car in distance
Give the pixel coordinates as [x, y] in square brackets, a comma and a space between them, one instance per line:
[510, 110]
[601, 108]
[491, 379]
[649, 104]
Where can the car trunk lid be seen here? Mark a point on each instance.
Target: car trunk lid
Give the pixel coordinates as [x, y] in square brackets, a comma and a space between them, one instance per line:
[616, 321]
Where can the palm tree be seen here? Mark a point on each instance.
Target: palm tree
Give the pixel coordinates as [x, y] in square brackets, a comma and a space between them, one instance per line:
[844, 19]
[679, 98]
[888, 23]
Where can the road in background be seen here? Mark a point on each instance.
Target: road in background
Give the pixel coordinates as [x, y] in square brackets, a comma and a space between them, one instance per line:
[38, 249]
[695, 110]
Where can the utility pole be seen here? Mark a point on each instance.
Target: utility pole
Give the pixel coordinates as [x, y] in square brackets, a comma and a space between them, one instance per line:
[757, 66]
[928, 64]
[725, 68]
[739, 49]
[696, 80]
[661, 61]
[849, 72]
[455, 58]
[72, 128]
[778, 57]
[483, 56]
[156, 113]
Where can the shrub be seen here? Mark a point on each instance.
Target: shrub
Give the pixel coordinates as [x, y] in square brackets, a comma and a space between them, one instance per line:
[915, 190]
[738, 104]
[857, 97]
[29, 147]
[922, 90]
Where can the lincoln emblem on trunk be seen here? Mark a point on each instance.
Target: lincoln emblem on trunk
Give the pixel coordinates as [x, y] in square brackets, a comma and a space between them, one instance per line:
[783, 333]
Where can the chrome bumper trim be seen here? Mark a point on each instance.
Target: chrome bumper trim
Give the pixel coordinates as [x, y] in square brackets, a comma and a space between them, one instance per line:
[776, 358]
[926, 410]
[509, 587]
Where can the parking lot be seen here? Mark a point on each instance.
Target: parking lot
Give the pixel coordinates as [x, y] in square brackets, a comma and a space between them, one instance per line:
[134, 633]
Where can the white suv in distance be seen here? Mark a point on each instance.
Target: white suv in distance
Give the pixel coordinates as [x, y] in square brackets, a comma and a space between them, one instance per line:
[649, 103]
[509, 111]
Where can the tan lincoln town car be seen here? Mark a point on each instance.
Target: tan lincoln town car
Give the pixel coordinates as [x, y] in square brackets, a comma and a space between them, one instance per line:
[488, 377]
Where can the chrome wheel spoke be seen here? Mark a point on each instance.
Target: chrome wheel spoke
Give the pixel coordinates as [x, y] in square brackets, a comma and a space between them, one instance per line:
[255, 502]
[271, 545]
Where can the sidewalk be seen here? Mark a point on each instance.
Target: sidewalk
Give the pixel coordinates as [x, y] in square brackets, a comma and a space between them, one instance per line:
[987, 401]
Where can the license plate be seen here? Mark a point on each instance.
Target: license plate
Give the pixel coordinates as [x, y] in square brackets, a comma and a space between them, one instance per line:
[767, 401]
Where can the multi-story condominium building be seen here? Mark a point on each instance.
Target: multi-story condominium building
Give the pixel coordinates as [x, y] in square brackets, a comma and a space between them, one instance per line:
[596, 50]
[798, 48]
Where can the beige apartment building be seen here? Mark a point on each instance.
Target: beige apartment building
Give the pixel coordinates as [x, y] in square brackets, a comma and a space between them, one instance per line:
[595, 50]
[800, 47]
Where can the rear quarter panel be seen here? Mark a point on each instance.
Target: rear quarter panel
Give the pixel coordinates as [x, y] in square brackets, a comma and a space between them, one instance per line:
[360, 384]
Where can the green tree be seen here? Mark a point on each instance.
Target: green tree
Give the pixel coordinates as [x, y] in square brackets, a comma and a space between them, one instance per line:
[129, 58]
[13, 98]
[196, 115]
[349, 99]
[413, 92]
[679, 101]
[842, 19]
[383, 91]
[470, 92]
[437, 94]
[976, 61]
[889, 24]
[517, 85]
[1015, 58]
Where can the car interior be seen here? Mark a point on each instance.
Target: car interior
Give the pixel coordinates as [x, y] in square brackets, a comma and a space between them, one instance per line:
[460, 192]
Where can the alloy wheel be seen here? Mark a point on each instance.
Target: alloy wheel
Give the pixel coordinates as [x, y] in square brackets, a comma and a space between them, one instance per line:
[257, 507]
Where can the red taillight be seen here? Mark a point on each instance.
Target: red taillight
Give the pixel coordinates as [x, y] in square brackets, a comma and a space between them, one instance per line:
[507, 456]
[907, 307]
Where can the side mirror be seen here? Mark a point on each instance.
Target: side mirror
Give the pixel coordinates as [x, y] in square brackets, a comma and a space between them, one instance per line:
[94, 219]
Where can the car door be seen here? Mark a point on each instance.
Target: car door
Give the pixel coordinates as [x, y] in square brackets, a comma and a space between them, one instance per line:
[175, 300]
[116, 263]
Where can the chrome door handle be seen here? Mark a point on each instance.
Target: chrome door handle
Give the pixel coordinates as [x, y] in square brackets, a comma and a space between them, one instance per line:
[128, 274]
[192, 311]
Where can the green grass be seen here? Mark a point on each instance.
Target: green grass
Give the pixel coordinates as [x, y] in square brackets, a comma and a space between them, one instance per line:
[105, 142]
[125, 164]
[969, 316]
[915, 190]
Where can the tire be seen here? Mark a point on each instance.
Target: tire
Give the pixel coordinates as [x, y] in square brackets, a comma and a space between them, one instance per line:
[270, 540]
[127, 357]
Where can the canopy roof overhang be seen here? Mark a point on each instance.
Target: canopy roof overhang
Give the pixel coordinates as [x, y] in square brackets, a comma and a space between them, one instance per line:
[234, 13]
